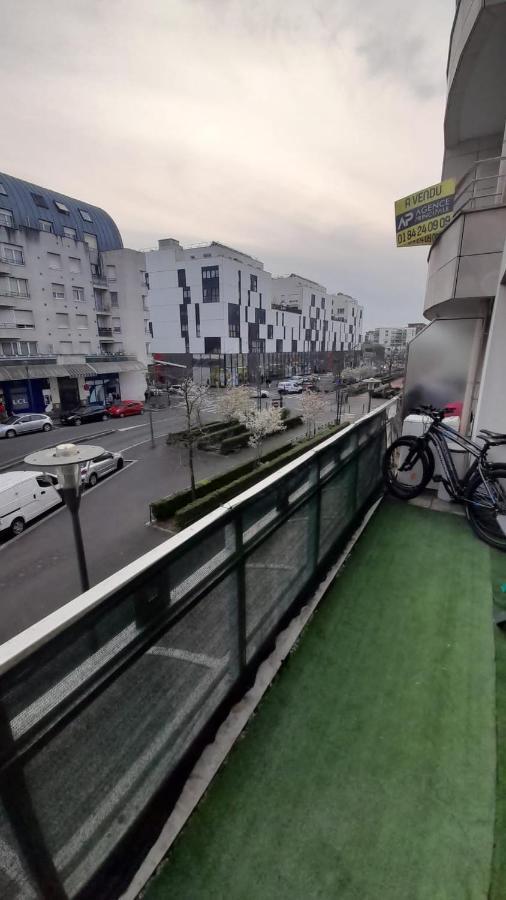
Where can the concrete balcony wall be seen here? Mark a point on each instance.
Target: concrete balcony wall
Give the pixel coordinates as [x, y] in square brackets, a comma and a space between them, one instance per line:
[464, 263]
[476, 106]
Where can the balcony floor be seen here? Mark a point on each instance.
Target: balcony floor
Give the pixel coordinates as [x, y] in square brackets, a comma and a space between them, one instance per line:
[369, 771]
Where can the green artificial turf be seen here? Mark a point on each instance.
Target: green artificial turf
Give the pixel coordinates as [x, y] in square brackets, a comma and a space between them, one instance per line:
[368, 772]
[498, 883]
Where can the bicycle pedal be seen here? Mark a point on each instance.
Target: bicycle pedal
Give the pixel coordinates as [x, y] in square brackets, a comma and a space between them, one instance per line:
[437, 479]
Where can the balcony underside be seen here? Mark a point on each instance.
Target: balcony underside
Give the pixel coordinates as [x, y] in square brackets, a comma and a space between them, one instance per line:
[369, 770]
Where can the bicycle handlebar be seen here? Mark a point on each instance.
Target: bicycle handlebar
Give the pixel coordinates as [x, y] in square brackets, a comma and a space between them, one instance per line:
[428, 410]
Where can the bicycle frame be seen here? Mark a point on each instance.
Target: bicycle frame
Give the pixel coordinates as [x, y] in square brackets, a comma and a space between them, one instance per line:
[437, 435]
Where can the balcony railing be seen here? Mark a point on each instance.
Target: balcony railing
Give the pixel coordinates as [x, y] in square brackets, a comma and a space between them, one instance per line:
[105, 332]
[106, 702]
[483, 185]
[99, 279]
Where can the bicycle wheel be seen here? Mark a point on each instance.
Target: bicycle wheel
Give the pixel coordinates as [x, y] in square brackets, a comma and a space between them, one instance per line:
[489, 525]
[407, 467]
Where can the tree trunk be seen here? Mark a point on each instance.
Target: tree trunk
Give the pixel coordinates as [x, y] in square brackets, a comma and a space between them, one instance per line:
[192, 473]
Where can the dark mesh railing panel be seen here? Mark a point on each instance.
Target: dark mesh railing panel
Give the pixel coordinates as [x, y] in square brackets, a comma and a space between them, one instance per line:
[275, 573]
[114, 755]
[97, 719]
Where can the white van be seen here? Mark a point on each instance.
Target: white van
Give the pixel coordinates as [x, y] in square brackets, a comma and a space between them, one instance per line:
[290, 387]
[24, 496]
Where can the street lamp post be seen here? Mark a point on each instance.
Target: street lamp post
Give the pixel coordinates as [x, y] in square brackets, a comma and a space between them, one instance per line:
[66, 460]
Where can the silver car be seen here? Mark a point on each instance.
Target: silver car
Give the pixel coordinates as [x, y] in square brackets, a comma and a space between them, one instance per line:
[101, 465]
[24, 423]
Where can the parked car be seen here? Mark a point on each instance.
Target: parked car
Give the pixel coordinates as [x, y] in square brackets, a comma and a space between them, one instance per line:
[25, 496]
[290, 387]
[264, 393]
[24, 423]
[99, 466]
[126, 408]
[176, 389]
[92, 413]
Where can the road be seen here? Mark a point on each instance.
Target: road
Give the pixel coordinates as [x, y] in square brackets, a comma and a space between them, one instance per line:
[38, 571]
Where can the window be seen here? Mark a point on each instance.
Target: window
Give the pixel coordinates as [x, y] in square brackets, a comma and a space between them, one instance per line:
[253, 283]
[18, 348]
[90, 240]
[294, 346]
[44, 225]
[69, 232]
[12, 254]
[85, 215]
[13, 287]
[65, 346]
[270, 331]
[81, 320]
[116, 324]
[313, 300]
[210, 272]
[6, 218]
[239, 286]
[2, 189]
[197, 320]
[54, 260]
[114, 298]
[74, 264]
[58, 291]
[84, 347]
[323, 302]
[279, 345]
[187, 296]
[61, 207]
[39, 200]
[260, 316]
[183, 318]
[181, 278]
[62, 320]
[78, 294]
[212, 345]
[111, 273]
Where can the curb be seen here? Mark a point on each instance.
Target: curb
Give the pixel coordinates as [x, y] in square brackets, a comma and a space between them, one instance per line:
[81, 440]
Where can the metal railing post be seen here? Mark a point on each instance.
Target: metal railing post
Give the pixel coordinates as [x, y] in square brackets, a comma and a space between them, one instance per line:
[241, 593]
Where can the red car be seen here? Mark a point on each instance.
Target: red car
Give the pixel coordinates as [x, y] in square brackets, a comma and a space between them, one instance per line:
[126, 408]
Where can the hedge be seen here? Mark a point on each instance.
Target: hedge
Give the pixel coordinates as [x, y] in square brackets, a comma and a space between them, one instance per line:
[235, 442]
[167, 506]
[200, 507]
[174, 436]
[215, 437]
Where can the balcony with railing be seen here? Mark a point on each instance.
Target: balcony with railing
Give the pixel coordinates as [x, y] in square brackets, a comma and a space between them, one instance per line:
[368, 770]
[104, 332]
[465, 258]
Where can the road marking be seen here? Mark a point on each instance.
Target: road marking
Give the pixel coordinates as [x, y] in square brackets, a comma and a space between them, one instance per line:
[199, 659]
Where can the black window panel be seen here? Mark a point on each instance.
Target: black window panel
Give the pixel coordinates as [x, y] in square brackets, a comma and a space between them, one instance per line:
[187, 295]
[260, 316]
[279, 345]
[253, 332]
[313, 299]
[181, 278]
[270, 331]
[253, 282]
[39, 200]
[308, 334]
[212, 345]
[239, 286]
[260, 296]
[197, 320]
[183, 318]
[210, 272]
[294, 346]
[323, 302]
[317, 313]
[210, 294]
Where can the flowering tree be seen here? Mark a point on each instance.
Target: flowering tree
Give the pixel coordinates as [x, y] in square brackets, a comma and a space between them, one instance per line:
[312, 405]
[233, 403]
[260, 423]
[195, 401]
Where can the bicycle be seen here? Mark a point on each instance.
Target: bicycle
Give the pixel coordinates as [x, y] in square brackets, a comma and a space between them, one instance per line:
[408, 467]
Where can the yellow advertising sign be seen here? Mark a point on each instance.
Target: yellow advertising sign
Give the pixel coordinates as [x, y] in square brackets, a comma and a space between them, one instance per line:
[421, 216]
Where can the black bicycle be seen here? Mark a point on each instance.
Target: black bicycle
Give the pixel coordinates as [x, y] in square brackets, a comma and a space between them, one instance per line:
[408, 467]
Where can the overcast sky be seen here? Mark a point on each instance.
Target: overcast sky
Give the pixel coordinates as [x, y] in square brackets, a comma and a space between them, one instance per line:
[285, 128]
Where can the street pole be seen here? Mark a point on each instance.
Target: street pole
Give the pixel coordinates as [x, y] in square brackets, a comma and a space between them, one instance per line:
[370, 398]
[151, 426]
[72, 499]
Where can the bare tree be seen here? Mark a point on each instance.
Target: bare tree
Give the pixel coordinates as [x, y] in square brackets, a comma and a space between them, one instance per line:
[312, 405]
[260, 423]
[195, 401]
[233, 403]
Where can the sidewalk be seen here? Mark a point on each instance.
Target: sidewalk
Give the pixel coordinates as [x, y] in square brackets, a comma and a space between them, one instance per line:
[368, 772]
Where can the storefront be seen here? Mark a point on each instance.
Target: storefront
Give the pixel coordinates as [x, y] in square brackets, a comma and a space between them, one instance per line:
[24, 395]
[103, 388]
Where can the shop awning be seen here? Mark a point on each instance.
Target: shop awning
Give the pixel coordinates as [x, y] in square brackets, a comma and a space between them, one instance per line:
[21, 373]
[118, 365]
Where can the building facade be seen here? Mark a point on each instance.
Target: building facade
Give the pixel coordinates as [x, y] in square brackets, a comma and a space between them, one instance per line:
[460, 356]
[214, 300]
[413, 329]
[391, 338]
[73, 308]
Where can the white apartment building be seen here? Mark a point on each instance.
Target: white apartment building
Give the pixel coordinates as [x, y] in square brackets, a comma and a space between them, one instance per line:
[391, 338]
[460, 356]
[73, 309]
[213, 299]
[413, 329]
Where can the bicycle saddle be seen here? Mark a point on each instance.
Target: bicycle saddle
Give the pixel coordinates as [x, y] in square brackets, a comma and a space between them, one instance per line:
[493, 437]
